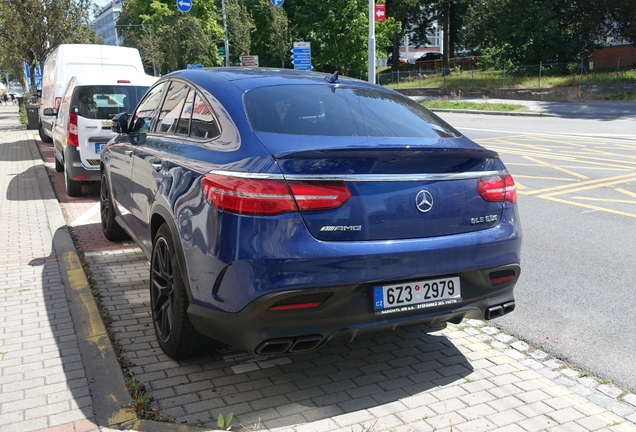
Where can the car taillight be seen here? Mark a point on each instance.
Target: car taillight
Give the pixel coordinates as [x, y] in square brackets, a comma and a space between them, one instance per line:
[71, 131]
[56, 106]
[260, 197]
[498, 188]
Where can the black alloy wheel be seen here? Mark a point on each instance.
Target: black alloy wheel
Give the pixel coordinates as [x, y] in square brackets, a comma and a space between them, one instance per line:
[59, 166]
[111, 229]
[73, 187]
[44, 137]
[169, 302]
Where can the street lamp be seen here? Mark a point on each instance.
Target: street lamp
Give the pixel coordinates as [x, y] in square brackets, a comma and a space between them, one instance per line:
[152, 44]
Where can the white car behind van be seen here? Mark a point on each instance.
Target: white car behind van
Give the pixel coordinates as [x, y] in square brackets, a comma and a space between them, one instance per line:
[82, 125]
[68, 60]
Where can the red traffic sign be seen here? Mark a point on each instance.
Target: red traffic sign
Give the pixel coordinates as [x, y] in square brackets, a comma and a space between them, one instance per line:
[380, 12]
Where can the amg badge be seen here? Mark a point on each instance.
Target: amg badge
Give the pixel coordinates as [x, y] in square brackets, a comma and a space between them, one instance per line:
[341, 228]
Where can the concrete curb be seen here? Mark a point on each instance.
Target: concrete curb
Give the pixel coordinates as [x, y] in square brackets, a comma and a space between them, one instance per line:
[107, 384]
[503, 113]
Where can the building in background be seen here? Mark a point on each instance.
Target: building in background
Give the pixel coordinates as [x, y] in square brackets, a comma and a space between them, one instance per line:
[104, 23]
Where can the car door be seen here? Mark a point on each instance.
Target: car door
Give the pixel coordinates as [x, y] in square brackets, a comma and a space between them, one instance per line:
[122, 153]
[151, 157]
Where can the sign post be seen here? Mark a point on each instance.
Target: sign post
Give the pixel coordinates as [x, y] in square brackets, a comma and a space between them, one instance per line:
[301, 56]
[371, 46]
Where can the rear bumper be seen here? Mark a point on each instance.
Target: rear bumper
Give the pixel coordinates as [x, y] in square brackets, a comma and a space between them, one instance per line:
[347, 311]
[76, 169]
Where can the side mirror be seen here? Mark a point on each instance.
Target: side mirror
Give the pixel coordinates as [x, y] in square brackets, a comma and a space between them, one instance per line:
[119, 123]
[49, 112]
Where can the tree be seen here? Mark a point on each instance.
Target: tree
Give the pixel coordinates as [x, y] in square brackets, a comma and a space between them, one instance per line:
[271, 39]
[34, 28]
[169, 38]
[240, 25]
[414, 17]
[338, 32]
[521, 32]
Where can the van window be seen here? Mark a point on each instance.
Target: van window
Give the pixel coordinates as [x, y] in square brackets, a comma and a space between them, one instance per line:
[101, 102]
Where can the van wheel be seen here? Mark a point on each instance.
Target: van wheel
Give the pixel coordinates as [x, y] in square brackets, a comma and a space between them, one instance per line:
[73, 187]
[169, 302]
[44, 137]
[59, 166]
[112, 230]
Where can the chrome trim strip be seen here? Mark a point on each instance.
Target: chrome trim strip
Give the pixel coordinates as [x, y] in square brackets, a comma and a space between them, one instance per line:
[395, 177]
[248, 175]
[362, 177]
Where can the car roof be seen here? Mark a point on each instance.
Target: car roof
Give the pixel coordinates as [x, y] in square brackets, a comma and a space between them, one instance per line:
[246, 78]
[115, 79]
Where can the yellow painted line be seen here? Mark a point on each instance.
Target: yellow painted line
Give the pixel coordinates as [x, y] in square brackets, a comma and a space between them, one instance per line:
[556, 167]
[588, 182]
[589, 206]
[556, 141]
[597, 168]
[521, 164]
[121, 416]
[626, 192]
[583, 198]
[516, 176]
[519, 185]
[77, 279]
[590, 185]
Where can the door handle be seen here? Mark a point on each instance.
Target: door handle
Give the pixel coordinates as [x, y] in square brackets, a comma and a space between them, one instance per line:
[156, 165]
[128, 152]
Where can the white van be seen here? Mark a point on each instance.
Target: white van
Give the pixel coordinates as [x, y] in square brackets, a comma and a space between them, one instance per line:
[68, 60]
[82, 125]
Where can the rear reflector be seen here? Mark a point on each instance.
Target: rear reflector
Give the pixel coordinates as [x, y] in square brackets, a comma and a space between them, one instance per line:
[295, 306]
[498, 188]
[258, 197]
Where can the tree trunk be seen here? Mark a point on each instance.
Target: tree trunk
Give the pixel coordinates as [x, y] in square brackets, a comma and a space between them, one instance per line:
[396, 52]
[446, 28]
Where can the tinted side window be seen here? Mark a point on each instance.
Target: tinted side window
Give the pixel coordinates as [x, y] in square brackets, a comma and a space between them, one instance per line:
[148, 109]
[172, 107]
[204, 124]
[99, 102]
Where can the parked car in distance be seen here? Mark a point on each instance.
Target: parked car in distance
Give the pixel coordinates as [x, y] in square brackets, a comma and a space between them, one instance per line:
[429, 56]
[82, 126]
[69, 60]
[281, 208]
[401, 60]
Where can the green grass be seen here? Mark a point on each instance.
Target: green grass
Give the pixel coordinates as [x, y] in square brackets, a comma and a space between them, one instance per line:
[496, 79]
[479, 106]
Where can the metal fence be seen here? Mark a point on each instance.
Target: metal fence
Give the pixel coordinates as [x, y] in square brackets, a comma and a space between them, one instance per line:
[469, 75]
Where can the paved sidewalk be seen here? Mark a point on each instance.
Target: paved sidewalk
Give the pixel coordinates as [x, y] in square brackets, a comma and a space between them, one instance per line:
[59, 372]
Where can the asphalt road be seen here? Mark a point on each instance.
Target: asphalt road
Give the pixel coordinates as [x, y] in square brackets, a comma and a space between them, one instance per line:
[576, 179]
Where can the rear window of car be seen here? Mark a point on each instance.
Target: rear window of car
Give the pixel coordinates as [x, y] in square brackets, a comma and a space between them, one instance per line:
[100, 102]
[329, 110]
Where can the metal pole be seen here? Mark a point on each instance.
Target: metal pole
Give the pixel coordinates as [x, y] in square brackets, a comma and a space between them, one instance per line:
[472, 78]
[540, 67]
[227, 43]
[371, 47]
[618, 68]
[503, 80]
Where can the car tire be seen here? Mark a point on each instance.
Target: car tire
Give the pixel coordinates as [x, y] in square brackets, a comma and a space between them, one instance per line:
[44, 137]
[169, 302]
[73, 187]
[111, 229]
[59, 166]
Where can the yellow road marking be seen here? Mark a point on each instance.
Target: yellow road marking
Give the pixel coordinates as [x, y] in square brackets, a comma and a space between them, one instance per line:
[630, 177]
[590, 185]
[588, 206]
[516, 176]
[603, 200]
[626, 192]
[519, 185]
[556, 167]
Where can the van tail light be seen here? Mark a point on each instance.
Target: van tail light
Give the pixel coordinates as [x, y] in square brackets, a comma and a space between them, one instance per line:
[498, 188]
[71, 130]
[56, 105]
[261, 197]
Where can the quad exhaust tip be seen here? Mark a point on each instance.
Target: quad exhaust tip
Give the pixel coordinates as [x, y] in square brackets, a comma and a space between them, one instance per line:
[499, 310]
[292, 345]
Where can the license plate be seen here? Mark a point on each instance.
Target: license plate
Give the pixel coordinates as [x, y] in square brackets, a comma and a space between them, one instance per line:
[416, 295]
[99, 147]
